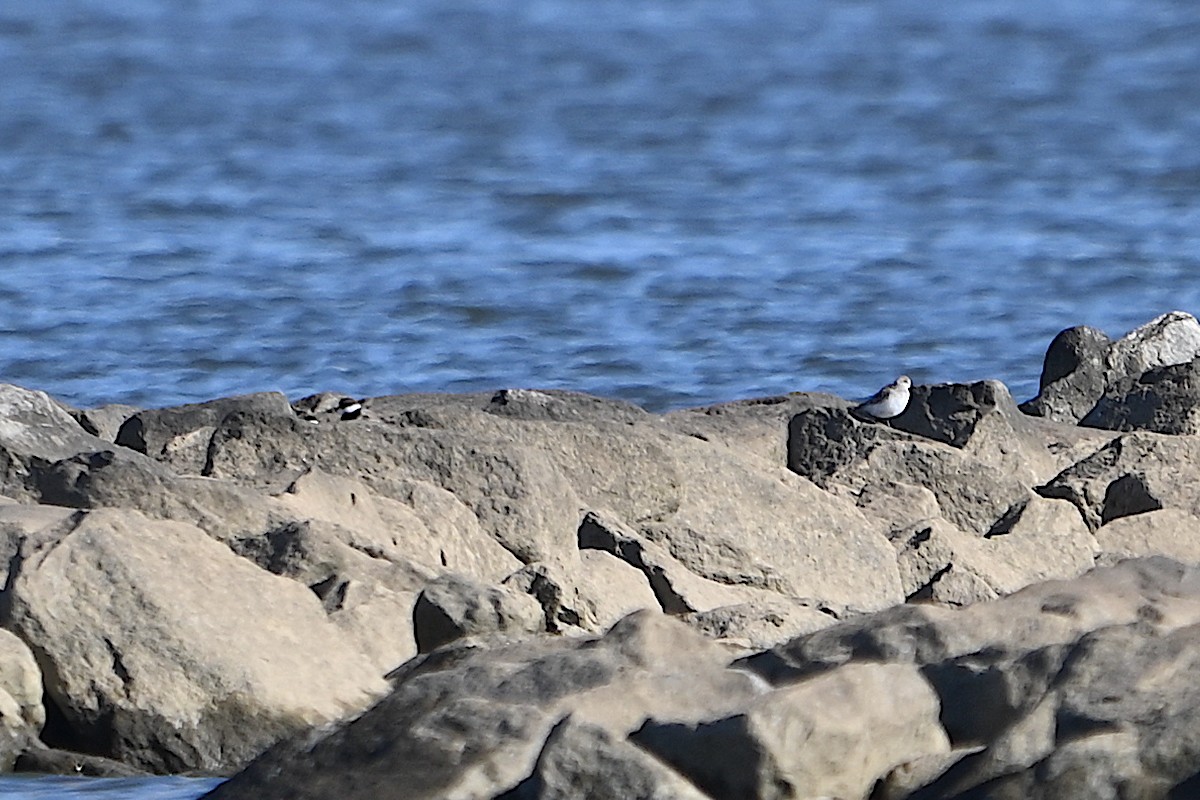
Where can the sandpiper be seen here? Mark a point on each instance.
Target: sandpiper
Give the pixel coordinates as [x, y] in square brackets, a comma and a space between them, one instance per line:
[888, 402]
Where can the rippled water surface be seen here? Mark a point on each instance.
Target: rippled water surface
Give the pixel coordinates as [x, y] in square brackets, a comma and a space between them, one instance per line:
[71, 788]
[670, 201]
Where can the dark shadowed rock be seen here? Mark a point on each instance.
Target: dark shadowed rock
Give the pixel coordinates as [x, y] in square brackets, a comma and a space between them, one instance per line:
[474, 723]
[982, 421]
[1162, 400]
[1132, 474]
[1082, 364]
[582, 760]
[1073, 375]
[104, 421]
[38, 758]
[179, 435]
[454, 607]
[36, 429]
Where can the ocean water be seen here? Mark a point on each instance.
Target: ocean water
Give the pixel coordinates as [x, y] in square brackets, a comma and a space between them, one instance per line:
[672, 201]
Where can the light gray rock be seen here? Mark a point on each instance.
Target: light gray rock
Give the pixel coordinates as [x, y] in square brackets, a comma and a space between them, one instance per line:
[473, 723]
[179, 435]
[833, 735]
[454, 607]
[1165, 532]
[1132, 474]
[35, 429]
[163, 649]
[1083, 363]
[21, 712]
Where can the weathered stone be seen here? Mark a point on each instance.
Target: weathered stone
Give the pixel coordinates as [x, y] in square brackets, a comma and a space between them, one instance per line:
[472, 723]
[453, 607]
[982, 421]
[119, 478]
[899, 504]
[519, 498]
[1073, 375]
[581, 760]
[756, 427]
[845, 456]
[105, 420]
[1082, 363]
[833, 735]
[1164, 532]
[21, 712]
[170, 434]
[557, 405]
[677, 589]
[759, 624]
[35, 428]
[148, 663]
[1162, 400]
[1132, 474]
[565, 607]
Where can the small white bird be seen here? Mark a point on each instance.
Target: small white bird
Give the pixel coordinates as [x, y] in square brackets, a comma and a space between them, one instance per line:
[888, 402]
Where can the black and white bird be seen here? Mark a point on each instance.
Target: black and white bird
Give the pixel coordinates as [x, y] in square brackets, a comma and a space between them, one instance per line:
[350, 408]
[888, 402]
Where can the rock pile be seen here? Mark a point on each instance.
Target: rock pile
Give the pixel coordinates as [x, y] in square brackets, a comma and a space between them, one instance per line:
[541, 594]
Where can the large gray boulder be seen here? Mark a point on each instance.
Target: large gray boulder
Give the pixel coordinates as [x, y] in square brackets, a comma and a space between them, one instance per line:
[179, 435]
[1082, 364]
[21, 712]
[474, 723]
[163, 649]
[1132, 474]
[1162, 400]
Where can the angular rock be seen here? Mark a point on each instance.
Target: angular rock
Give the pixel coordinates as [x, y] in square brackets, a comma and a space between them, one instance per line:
[676, 589]
[557, 405]
[21, 712]
[756, 427]
[44, 760]
[519, 499]
[1073, 375]
[565, 607]
[163, 649]
[1083, 363]
[1042, 539]
[119, 478]
[1162, 400]
[833, 735]
[105, 420]
[581, 760]
[1132, 474]
[982, 421]
[472, 723]
[1165, 532]
[35, 428]
[845, 456]
[179, 435]
[759, 624]
[454, 607]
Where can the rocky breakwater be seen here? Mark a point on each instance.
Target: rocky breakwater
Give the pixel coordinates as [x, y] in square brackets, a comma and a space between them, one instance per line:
[537, 594]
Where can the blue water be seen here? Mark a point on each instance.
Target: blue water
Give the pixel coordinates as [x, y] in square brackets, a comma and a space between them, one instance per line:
[673, 201]
[21, 787]
[670, 201]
